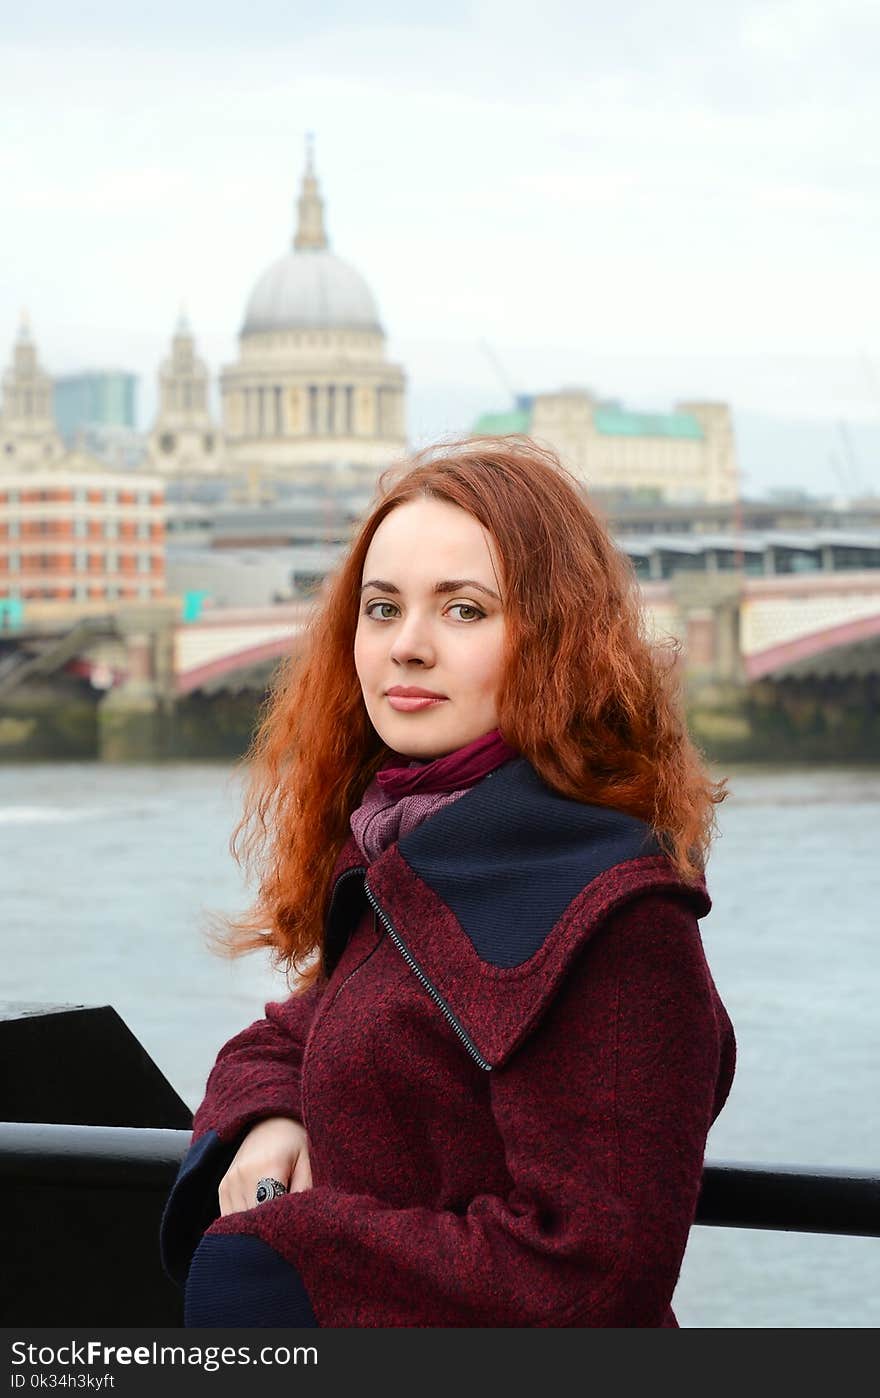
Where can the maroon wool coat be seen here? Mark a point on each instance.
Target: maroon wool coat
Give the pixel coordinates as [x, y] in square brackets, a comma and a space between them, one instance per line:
[507, 1074]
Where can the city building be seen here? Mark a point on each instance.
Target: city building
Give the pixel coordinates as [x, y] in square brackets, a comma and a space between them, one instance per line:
[81, 535]
[260, 577]
[311, 400]
[754, 553]
[312, 394]
[302, 519]
[94, 398]
[184, 440]
[28, 434]
[686, 456]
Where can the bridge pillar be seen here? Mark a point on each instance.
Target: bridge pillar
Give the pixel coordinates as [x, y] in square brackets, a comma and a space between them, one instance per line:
[135, 718]
[716, 689]
[709, 605]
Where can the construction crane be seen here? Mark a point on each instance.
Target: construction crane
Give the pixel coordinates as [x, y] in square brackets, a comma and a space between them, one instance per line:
[836, 465]
[499, 370]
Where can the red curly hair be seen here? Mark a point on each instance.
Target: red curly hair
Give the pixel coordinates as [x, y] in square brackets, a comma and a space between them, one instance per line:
[585, 696]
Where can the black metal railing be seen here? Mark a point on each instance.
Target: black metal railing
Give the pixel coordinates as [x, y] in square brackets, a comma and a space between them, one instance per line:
[787, 1198]
[87, 1201]
[82, 1200]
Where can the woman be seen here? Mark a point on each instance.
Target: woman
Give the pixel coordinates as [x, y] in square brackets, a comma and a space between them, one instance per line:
[483, 830]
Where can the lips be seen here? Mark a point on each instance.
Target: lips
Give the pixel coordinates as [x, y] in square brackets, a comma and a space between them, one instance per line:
[414, 691]
[410, 698]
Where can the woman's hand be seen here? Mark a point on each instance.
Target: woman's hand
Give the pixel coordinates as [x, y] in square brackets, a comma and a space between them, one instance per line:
[278, 1147]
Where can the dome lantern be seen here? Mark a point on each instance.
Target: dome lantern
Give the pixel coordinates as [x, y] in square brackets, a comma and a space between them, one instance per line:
[310, 233]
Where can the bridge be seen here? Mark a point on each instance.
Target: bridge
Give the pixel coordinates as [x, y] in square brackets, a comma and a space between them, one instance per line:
[730, 628]
[744, 629]
[219, 645]
[735, 632]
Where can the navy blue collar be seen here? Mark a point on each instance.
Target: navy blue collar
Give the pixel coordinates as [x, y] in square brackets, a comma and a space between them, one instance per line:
[509, 856]
[506, 858]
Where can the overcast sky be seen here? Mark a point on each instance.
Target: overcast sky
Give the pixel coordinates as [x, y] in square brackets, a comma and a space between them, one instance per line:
[660, 199]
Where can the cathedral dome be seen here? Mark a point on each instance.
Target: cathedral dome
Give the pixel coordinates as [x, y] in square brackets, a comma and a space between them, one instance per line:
[310, 288]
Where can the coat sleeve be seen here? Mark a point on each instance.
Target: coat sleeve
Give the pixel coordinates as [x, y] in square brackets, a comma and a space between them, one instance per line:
[256, 1075]
[603, 1111]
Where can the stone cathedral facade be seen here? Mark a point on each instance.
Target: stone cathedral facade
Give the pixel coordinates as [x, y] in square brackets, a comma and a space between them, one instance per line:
[312, 393]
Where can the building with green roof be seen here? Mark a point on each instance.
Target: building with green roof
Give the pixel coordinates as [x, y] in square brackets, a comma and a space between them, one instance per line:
[686, 455]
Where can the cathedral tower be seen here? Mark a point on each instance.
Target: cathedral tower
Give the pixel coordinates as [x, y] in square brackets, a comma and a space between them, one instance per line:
[184, 439]
[28, 434]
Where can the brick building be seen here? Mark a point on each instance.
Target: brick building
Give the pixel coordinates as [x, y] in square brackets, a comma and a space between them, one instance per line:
[82, 536]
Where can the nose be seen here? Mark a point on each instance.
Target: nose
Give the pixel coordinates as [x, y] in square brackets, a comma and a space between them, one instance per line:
[412, 642]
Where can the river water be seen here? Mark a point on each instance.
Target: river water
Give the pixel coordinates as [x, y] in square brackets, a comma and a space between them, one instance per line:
[109, 872]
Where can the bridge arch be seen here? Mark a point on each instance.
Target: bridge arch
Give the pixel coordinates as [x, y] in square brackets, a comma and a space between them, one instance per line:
[191, 680]
[762, 664]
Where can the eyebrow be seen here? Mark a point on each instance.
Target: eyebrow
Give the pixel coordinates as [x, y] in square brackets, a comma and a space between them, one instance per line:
[440, 589]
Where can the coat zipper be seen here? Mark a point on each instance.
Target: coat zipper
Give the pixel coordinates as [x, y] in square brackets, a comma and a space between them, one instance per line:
[432, 990]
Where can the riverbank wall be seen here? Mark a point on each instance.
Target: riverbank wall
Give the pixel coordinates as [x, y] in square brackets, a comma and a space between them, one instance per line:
[827, 720]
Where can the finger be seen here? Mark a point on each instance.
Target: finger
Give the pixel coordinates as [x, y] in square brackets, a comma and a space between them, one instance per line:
[224, 1198]
[302, 1173]
[270, 1172]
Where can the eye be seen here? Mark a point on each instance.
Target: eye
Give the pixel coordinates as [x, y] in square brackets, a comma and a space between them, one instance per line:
[368, 610]
[476, 612]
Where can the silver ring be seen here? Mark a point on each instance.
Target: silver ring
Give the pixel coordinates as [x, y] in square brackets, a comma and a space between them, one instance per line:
[267, 1188]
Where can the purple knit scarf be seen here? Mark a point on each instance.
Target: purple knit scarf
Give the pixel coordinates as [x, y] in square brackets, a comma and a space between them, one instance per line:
[400, 797]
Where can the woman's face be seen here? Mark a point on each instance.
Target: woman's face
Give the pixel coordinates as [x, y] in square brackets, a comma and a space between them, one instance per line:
[431, 618]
